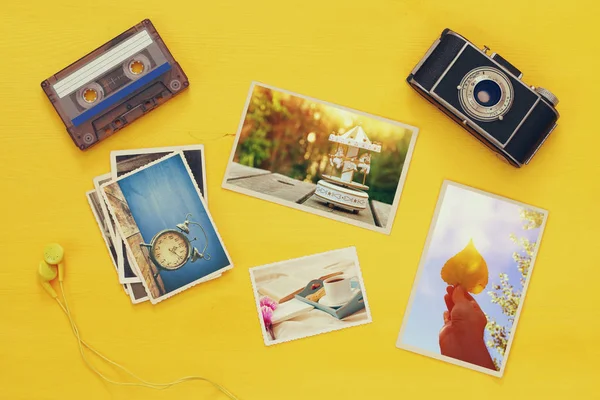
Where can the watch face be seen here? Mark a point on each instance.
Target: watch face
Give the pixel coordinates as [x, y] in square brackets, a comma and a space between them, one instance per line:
[171, 249]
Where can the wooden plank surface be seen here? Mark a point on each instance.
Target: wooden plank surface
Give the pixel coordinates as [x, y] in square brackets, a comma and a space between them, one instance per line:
[289, 189]
[120, 209]
[381, 212]
[276, 185]
[363, 216]
[237, 171]
[128, 164]
[132, 234]
[147, 267]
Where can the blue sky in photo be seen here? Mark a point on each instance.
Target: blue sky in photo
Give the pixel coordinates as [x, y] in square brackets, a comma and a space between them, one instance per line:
[465, 214]
[159, 197]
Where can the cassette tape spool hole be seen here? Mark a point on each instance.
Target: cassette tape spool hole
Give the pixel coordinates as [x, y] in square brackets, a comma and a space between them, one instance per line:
[136, 66]
[90, 95]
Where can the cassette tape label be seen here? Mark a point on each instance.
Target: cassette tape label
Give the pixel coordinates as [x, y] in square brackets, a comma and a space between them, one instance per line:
[103, 64]
[115, 84]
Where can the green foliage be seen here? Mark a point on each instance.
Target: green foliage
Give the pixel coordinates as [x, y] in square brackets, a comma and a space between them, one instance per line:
[386, 170]
[275, 137]
[505, 294]
[255, 149]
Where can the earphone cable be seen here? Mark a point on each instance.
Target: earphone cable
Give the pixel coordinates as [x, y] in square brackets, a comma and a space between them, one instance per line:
[81, 343]
[158, 386]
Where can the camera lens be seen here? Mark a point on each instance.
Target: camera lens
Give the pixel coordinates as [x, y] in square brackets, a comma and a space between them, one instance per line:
[487, 93]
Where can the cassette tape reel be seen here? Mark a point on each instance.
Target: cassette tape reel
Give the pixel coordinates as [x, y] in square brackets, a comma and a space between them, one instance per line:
[115, 84]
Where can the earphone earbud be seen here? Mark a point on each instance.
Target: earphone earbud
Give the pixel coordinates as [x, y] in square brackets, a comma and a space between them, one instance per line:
[51, 267]
[47, 270]
[53, 255]
[46, 274]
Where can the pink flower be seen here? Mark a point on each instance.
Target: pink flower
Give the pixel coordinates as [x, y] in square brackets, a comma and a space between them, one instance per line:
[267, 301]
[267, 314]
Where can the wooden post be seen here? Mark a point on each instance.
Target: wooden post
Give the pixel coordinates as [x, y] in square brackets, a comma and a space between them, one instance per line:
[133, 237]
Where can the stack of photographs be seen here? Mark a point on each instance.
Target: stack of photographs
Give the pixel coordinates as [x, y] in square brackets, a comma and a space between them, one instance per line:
[153, 216]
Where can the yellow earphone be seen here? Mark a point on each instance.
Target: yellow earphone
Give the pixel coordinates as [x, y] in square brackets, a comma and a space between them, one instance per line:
[53, 266]
[47, 270]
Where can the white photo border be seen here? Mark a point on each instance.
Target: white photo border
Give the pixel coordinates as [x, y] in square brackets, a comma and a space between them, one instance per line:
[115, 236]
[257, 296]
[132, 295]
[88, 195]
[432, 226]
[169, 149]
[135, 265]
[399, 188]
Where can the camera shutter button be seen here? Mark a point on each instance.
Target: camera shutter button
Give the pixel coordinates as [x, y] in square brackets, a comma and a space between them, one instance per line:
[546, 94]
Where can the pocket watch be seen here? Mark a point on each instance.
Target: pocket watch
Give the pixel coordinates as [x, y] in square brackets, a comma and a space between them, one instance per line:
[171, 249]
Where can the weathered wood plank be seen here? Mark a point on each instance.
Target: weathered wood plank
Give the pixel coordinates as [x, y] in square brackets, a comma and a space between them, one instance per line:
[381, 212]
[276, 185]
[147, 267]
[289, 189]
[133, 237]
[121, 209]
[237, 171]
[363, 216]
[125, 165]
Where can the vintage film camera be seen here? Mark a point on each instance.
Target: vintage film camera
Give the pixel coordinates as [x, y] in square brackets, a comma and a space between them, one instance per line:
[486, 95]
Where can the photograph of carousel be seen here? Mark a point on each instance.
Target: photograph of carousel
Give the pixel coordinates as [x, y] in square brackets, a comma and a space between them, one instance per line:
[342, 191]
[322, 158]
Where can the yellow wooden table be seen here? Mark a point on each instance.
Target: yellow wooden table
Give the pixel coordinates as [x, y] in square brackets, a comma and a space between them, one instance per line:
[353, 53]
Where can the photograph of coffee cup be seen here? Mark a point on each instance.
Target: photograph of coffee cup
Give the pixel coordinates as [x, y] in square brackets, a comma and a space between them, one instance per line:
[338, 290]
[291, 296]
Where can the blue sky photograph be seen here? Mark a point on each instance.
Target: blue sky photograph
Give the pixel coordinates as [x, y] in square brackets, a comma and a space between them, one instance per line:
[465, 215]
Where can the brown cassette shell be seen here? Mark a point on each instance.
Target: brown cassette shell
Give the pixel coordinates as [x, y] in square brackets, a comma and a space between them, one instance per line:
[136, 104]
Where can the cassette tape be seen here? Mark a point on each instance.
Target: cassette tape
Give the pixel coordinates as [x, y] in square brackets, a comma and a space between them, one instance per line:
[115, 84]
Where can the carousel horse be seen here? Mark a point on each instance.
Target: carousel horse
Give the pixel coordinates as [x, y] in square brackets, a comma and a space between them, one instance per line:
[337, 159]
[364, 163]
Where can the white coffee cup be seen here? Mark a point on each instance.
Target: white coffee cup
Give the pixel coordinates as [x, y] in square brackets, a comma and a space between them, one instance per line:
[338, 289]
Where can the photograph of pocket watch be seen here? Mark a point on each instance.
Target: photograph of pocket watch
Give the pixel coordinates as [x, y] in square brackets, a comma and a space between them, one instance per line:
[171, 249]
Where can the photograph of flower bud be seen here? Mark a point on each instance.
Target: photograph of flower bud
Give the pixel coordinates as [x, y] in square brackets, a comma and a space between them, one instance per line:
[322, 158]
[472, 279]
